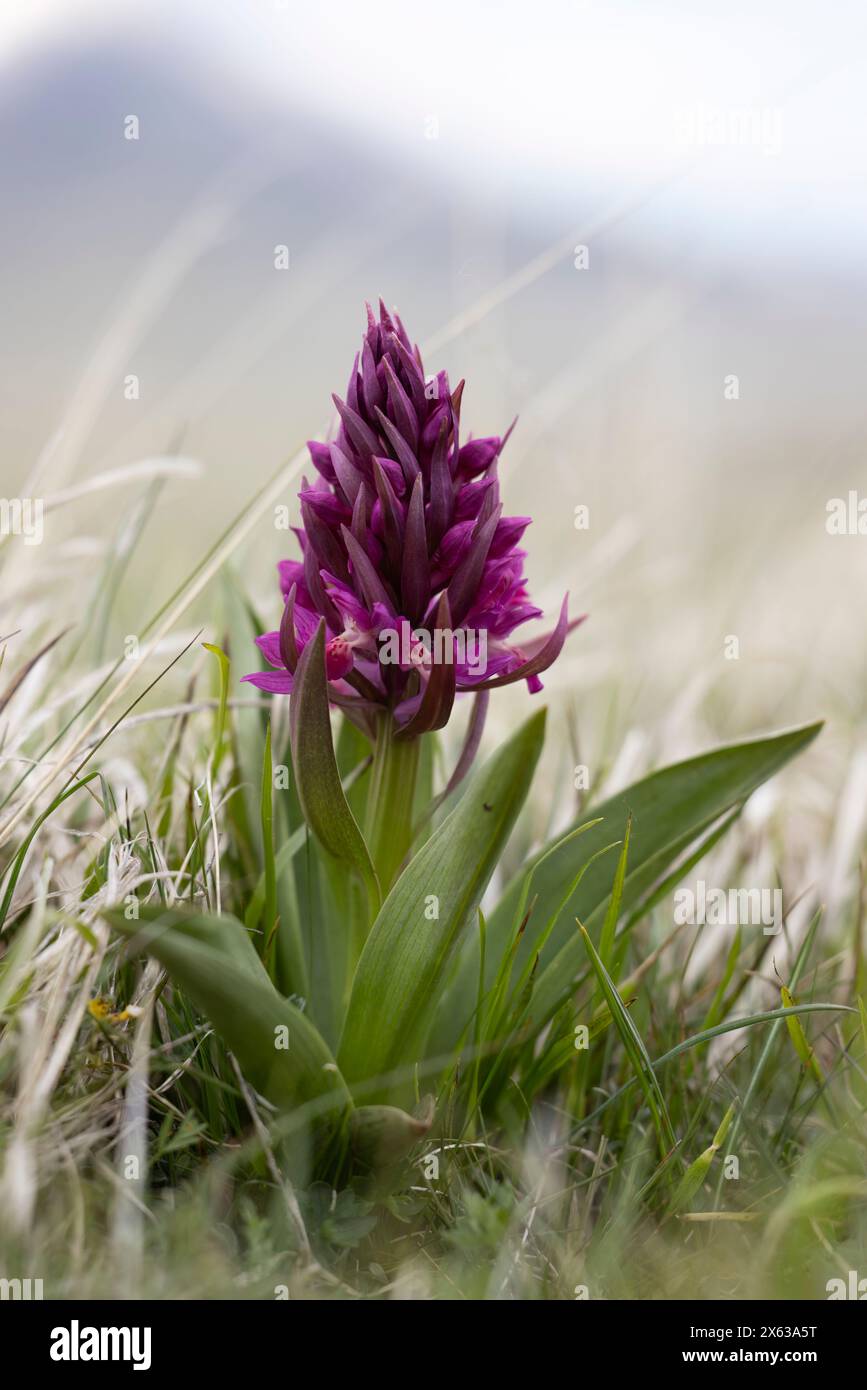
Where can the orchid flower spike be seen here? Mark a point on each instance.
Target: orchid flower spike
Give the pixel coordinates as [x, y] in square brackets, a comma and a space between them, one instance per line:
[405, 553]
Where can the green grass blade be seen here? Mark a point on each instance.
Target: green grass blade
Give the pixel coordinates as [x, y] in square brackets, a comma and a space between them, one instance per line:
[609, 926]
[17, 863]
[734, 1025]
[698, 1170]
[635, 1049]
[670, 810]
[411, 944]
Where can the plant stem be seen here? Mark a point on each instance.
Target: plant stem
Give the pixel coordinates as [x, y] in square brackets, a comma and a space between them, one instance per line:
[390, 801]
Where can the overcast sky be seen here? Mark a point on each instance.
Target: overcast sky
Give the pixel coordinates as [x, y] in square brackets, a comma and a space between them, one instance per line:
[739, 104]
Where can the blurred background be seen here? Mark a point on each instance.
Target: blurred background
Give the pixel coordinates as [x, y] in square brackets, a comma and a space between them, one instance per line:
[638, 228]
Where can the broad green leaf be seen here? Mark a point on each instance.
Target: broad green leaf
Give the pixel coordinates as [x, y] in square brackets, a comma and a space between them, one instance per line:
[525, 982]
[411, 944]
[318, 779]
[670, 810]
[215, 963]
[505, 1017]
[493, 1015]
[288, 866]
[354, 753]
[530, 877]
[344, 899]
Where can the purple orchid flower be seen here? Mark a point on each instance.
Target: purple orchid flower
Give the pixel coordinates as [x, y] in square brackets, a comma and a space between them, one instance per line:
[406, 555]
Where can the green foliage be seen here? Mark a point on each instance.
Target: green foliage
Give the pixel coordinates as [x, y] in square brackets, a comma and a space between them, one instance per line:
[213, 960]
[405, 960]
[317, 777]
[667, 812]
[433, 1125]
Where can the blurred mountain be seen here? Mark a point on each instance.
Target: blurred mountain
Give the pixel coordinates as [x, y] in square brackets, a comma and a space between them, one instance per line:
[154, 258]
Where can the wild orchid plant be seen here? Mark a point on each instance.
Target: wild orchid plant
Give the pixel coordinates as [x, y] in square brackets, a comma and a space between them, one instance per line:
[410, 570]
[363, 976]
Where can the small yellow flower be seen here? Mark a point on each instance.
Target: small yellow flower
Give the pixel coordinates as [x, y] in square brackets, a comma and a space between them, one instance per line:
[101, 1009]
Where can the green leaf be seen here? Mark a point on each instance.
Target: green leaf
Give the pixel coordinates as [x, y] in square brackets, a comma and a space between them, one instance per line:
[245, 726]
[506, 1016]
[717, 1007]
[732, 1025]
[764, 1057]
[636, 1051]
[406, 957]
[214, 961]
[267, 815]
[318, 779]
[283, 859]
[15, 867]
[391, 795]
[700, 1167]
[670, 810]
[282, 946]
[612, 913]
[224, 665]
[799, 1038]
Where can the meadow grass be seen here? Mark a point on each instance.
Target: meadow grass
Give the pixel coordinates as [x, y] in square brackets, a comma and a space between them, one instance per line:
[708, 1143]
